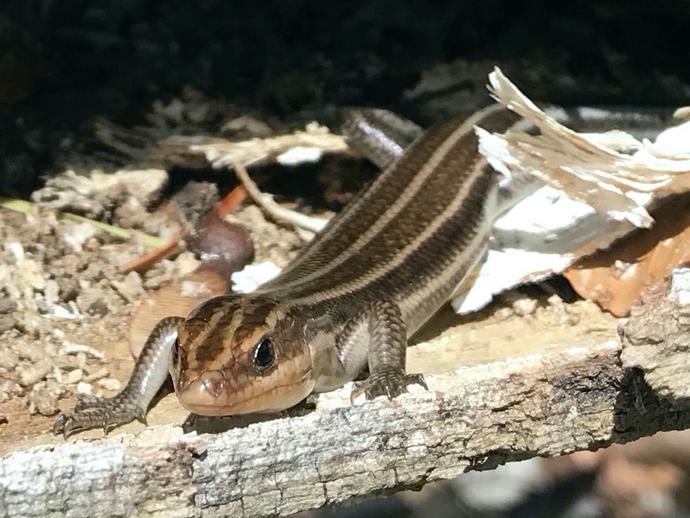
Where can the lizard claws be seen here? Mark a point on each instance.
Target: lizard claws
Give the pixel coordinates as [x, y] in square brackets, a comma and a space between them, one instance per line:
[65, 425]
[386, 383]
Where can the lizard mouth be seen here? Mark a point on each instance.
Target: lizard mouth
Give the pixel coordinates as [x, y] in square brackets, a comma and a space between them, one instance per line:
[211, 395]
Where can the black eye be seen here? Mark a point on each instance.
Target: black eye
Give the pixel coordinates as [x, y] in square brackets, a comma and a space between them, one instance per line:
[264, 355]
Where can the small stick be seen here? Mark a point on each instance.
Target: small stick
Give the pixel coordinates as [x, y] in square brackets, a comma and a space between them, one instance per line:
[231, 201]
[274, 210]
[176, 245]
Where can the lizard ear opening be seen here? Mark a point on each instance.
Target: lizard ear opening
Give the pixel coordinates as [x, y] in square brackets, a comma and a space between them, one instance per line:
[175, 353]
[264, 355]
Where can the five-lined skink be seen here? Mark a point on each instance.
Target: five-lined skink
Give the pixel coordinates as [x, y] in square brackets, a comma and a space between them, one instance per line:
[376, 273]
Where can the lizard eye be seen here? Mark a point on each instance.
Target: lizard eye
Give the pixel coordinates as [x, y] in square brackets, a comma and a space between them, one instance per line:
[263, 355]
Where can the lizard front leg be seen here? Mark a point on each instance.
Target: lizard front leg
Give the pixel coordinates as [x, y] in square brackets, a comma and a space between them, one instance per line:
[132, 402]
[377, 337]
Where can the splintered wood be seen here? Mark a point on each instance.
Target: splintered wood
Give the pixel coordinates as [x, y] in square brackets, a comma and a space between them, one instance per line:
[593, 169]
[599, 188]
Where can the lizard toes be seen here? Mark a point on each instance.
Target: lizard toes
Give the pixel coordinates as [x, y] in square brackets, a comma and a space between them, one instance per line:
[415, 379]
[387, 383]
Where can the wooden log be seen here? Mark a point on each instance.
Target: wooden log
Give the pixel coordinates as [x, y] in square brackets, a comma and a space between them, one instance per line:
[589, 393]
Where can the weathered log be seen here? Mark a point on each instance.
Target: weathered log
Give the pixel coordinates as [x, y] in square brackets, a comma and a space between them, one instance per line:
[586, 395]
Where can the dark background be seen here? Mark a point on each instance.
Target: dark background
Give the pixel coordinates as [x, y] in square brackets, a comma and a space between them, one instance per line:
[65, 62]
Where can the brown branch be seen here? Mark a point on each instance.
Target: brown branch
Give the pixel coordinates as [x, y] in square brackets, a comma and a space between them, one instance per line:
[171, 247]
[230, 202]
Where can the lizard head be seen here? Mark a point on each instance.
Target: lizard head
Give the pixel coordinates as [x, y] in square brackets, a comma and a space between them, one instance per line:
[239, 355]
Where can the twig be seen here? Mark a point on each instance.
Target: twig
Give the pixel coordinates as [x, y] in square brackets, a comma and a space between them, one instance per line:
[231, 201]
[176, 245]
[221, 153]
[26, 207]
[274, 210]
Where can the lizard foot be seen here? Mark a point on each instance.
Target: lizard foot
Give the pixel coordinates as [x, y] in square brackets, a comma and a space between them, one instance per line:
[390, 383]
[95, 412]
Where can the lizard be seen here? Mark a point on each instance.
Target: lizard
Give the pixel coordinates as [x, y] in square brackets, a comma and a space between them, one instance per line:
[349, 301]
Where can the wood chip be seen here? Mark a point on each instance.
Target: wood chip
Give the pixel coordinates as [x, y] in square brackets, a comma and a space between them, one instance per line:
[73, 377]
[110, 384]
[100, 373]
[617, 278]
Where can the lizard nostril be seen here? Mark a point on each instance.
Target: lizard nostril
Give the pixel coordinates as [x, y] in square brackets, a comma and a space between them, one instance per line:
[206, 394]
[213, 382]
